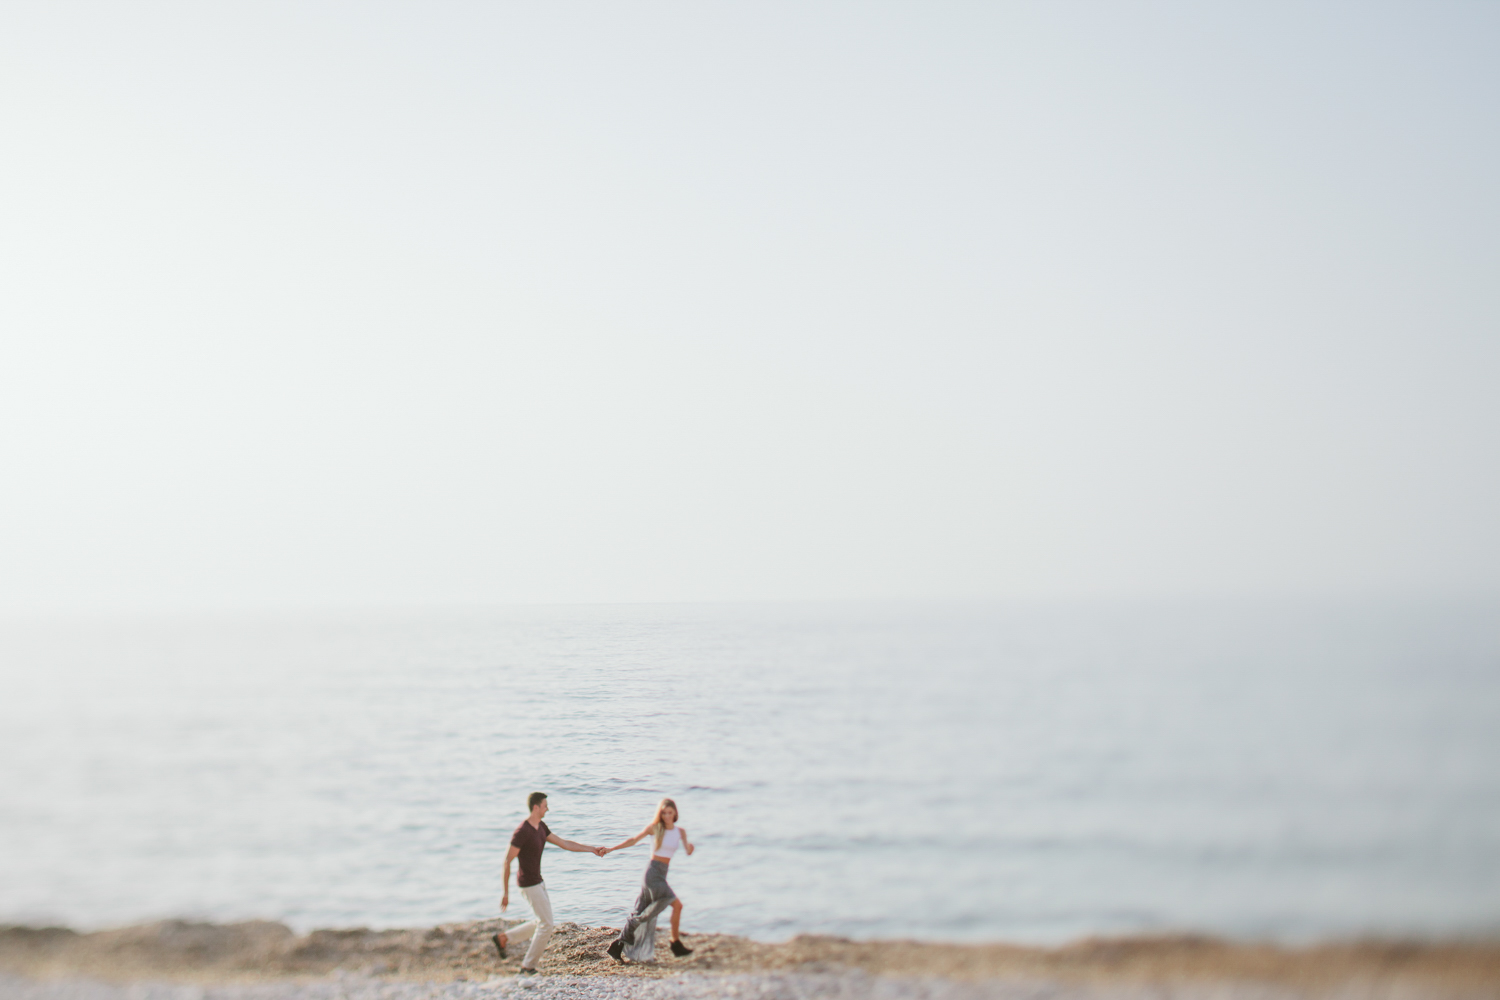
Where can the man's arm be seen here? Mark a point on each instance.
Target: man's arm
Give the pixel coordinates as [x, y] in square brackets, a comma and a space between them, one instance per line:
[510, 856]
[573, 845]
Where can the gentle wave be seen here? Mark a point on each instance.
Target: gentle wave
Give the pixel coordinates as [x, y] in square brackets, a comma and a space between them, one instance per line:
[1032, 772]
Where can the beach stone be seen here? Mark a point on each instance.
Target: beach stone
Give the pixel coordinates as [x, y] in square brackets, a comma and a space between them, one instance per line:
[852, 985]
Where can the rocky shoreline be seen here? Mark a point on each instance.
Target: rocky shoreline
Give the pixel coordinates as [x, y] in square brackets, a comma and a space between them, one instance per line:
[262, 960]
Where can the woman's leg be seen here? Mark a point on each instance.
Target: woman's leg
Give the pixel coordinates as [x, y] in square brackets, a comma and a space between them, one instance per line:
[647, 906]
[678, 948]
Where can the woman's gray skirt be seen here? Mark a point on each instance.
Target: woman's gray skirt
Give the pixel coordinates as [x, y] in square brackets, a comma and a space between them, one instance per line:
[639, 935]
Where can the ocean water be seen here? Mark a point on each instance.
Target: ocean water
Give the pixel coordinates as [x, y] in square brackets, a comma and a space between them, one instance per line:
[1028, 772]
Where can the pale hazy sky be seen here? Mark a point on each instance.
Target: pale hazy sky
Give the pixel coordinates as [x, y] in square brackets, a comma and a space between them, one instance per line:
[329, 304]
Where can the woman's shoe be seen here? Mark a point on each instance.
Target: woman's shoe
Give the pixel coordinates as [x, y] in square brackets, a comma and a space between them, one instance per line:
[615, 951]
[679, 949]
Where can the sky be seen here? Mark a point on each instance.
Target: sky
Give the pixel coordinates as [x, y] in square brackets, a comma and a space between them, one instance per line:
[332, 304]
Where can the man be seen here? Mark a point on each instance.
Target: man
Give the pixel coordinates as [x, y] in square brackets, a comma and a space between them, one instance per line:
[527, 844]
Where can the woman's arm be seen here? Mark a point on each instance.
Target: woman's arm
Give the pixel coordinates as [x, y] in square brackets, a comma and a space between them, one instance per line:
[686, 844]
[631, 841]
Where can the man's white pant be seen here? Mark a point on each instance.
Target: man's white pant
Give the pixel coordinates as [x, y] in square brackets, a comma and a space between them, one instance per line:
[539, 930]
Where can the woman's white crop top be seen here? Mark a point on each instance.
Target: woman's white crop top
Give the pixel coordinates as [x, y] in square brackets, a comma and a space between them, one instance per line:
[670, 841]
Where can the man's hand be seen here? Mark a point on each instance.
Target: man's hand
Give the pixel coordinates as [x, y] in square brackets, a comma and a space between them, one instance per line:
[601, 851]
[505, 900]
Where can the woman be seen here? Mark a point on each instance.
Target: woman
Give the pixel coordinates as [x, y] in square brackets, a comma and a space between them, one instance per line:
[638, 940]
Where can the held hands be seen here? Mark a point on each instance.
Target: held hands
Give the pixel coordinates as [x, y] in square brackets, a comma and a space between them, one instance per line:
[599, 851]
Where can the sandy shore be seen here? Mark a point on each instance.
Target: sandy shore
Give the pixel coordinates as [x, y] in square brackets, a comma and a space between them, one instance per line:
[455, 958]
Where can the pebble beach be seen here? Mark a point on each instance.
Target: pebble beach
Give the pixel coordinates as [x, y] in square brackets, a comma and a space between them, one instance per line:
[778, 986]
[261, 960]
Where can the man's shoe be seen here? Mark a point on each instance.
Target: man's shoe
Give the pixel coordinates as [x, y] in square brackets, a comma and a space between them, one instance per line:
[498, 946]
[523, 971]
[679, 949]
[616, 951]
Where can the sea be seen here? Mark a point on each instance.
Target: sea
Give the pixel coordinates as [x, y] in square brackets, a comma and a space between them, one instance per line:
[1027, 771]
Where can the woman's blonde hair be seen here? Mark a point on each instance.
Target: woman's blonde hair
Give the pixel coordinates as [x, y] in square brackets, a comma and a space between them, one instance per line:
[659, 828]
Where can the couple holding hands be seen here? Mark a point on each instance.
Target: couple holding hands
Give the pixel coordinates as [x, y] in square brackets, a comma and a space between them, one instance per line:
[637, 941]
